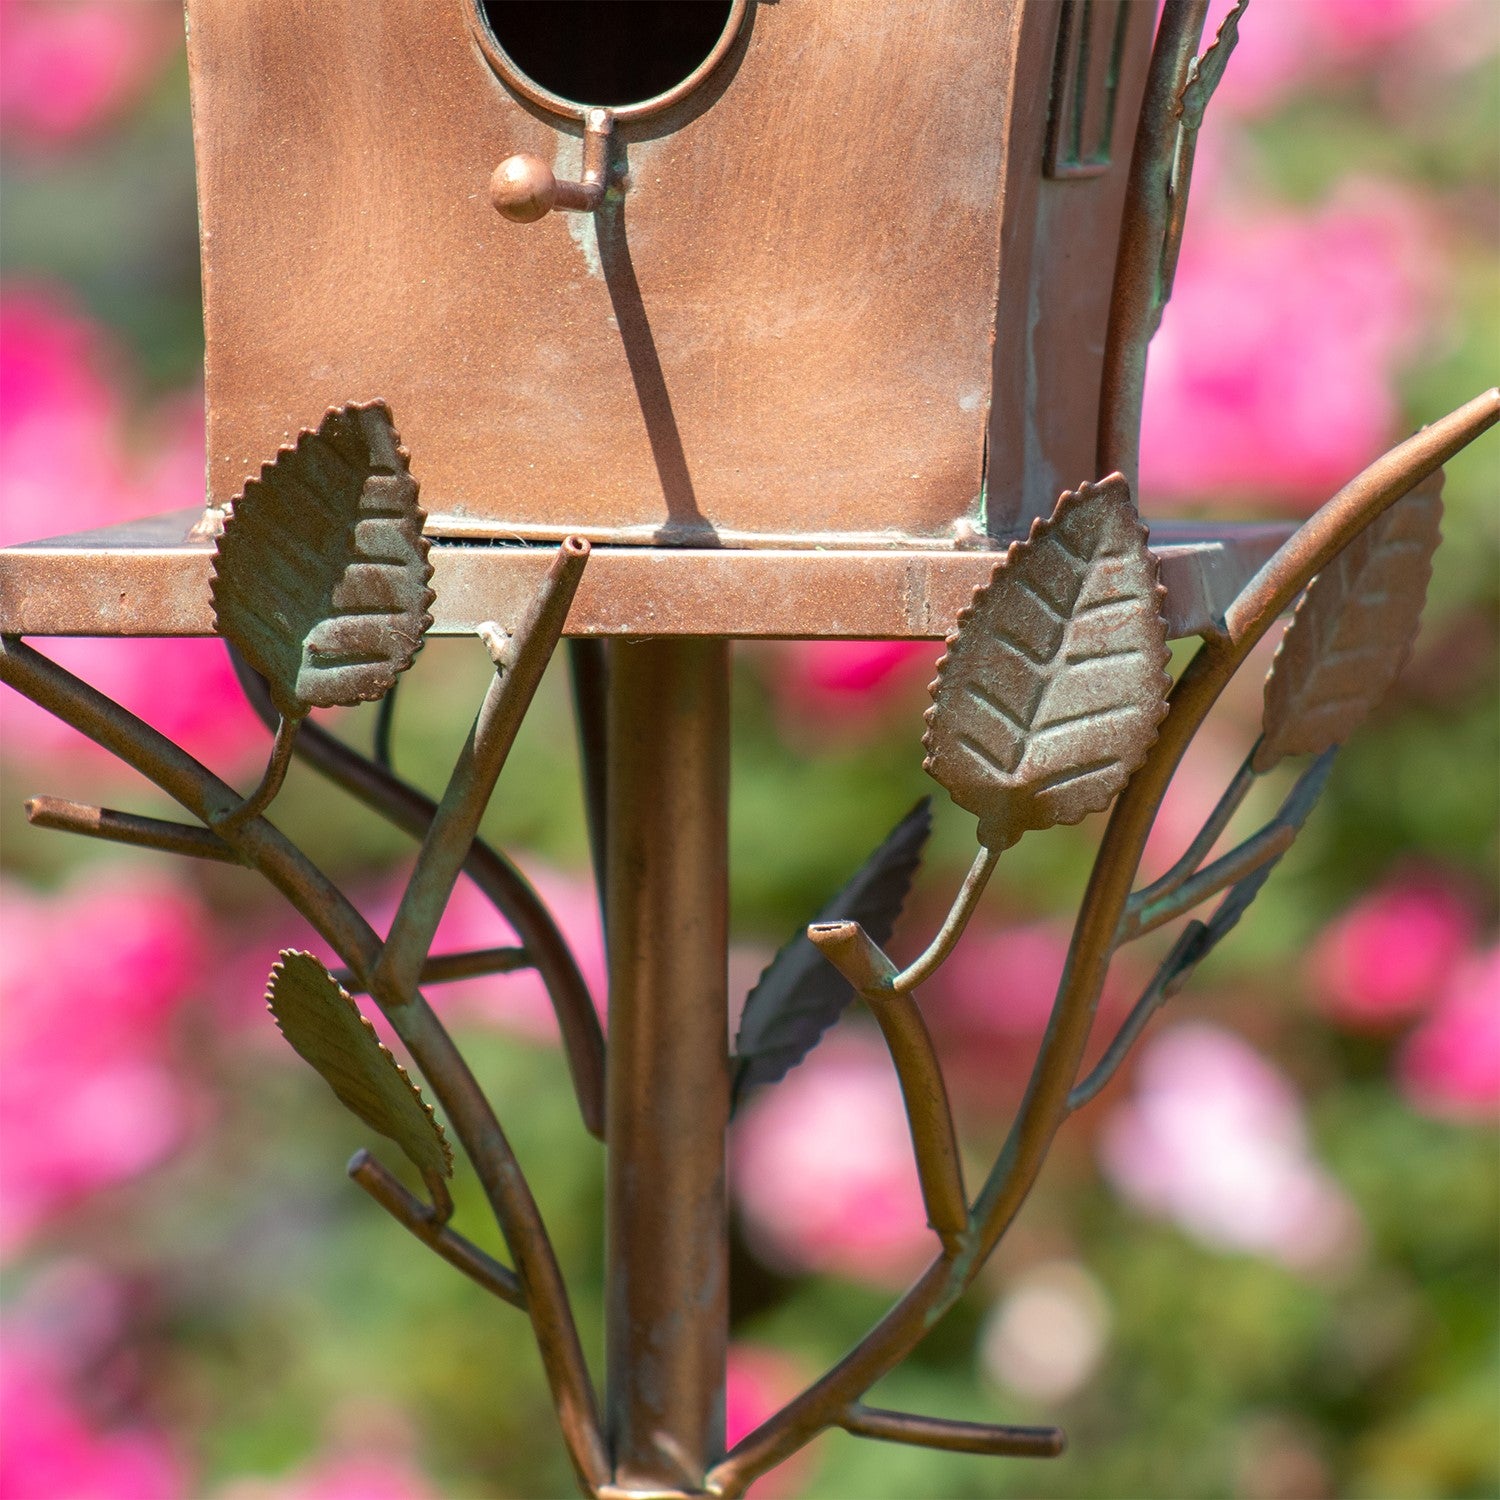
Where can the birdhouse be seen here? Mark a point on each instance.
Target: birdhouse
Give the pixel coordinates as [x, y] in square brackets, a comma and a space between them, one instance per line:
[822, 273]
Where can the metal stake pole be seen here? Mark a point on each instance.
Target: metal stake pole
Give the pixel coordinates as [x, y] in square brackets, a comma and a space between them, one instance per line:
[668, 1073]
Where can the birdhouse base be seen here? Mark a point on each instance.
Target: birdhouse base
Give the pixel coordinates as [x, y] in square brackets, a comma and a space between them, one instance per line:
[148, 578]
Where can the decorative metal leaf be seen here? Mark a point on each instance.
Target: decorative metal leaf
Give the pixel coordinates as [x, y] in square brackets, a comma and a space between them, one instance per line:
[1352, 631]
[800, 994]
[1294, 812]
[324, 1026]
[1055, 681]
[320, 576]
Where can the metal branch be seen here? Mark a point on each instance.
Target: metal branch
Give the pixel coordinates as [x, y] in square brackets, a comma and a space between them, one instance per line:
[445, 968]
[409, 1210]
[1218, 820]
[270, 783]
[1259, 849]
[982, 1438]
[520, 660]
[1045, 1104]
[1153, 997]
[129, 828]
[934, 1142]
[330, 912]
[507, 890]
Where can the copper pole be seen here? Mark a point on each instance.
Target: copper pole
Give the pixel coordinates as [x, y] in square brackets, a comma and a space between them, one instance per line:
[668, 1067]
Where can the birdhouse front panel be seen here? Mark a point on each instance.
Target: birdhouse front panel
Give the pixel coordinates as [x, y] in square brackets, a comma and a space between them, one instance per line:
[779, 327]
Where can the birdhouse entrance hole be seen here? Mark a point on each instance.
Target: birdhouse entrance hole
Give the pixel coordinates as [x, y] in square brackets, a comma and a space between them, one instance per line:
[609, 52]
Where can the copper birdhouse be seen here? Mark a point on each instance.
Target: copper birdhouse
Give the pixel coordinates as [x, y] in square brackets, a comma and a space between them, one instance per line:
[846, 283]
[699, 320]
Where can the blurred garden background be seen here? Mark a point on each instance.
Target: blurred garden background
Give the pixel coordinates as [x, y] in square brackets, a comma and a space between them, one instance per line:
[1262, 1264]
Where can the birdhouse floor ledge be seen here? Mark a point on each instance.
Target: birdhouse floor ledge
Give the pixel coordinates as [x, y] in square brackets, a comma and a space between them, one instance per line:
[144, 578]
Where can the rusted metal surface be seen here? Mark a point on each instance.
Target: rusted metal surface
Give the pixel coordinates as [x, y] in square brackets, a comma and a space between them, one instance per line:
[144, 578]
[778, 328]
[666, 1206]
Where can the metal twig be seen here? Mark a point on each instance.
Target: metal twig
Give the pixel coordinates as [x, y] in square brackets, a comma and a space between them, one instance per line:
[1202, 845]
[334, 917]
[409, 1210]
[923, 968]
[270, 783]
[1270, 843]
[850, 949]
[507, 890]
[520, 660]
[385, 725]
[129, 828]
[445, 968]
[954, 1437]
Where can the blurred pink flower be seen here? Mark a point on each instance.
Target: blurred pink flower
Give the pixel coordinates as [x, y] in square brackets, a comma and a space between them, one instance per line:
[822, 1168]
[1291, 46]
[50, 1449]
[1390, 954]
[847, 687]
[340, 1476]
[60, 414]
[69, 66]
[91, 977]
[1450, 1065]
[1214, 1140]
[64, 467]
[758, 1383]
[1273, 375]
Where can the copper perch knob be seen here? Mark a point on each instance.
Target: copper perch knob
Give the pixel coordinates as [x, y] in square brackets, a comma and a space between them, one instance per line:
[524, 189]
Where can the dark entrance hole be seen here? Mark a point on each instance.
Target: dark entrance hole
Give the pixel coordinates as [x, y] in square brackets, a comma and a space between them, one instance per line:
[613, 52]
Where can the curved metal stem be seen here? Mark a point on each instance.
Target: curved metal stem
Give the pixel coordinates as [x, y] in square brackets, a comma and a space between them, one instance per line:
[409, 1210]
[1135, 302]
[923, 968]
[270, 783]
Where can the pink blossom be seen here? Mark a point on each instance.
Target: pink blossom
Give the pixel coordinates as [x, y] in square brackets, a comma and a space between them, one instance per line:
[847, 687]
[53, 1450]
[758, 1383]
[91, 977]
[1290, 46]
[1391, 953]
[64, 467]
[1214, 1140]
[823, 1170]
[1273, 375]
[1450, 1065]
[67, 68]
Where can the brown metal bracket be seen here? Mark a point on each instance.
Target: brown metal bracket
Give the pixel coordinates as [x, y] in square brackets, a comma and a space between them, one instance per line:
[524, 189]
